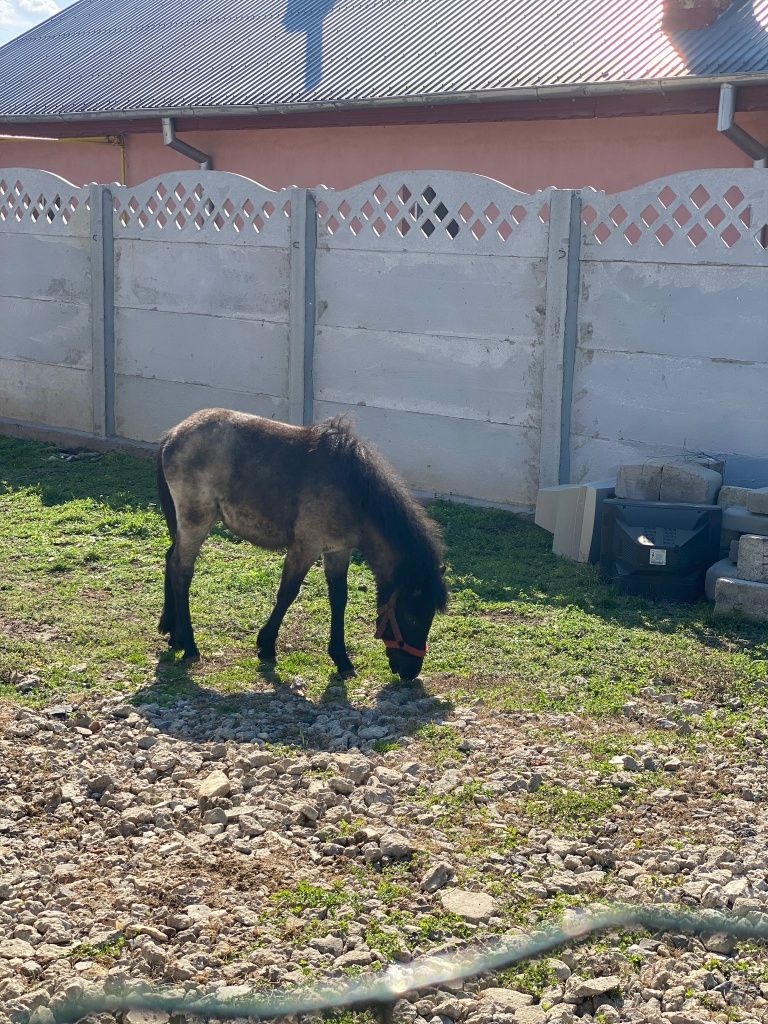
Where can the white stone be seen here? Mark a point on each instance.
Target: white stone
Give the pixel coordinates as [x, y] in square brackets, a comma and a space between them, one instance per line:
[215, 785]
[472, 906]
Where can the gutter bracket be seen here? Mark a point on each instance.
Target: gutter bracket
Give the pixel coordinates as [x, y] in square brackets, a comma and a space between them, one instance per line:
[204, 160]
[739, 137]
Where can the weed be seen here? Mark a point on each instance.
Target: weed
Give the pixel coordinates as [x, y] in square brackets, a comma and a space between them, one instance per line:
[533, 977]
[110, 950]
[304, 896]
[567, 809]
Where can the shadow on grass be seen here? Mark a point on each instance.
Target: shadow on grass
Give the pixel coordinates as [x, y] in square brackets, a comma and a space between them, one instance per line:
[498, 557]
[179, 704]
[494, 556]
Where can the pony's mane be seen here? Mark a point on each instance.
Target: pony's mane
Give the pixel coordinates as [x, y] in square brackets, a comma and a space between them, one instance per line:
[384, 498]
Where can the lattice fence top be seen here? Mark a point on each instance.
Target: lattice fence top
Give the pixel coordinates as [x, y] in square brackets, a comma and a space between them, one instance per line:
[33, 201]
[695, 217]
[435, 211]
[212, 206]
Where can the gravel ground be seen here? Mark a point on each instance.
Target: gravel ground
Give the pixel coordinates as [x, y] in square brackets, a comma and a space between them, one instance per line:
[270, 841]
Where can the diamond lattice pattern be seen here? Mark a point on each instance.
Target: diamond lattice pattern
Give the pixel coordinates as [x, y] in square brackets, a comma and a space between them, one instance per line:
[175, 208]
[17, 205]
[697, 215]
[425, 213]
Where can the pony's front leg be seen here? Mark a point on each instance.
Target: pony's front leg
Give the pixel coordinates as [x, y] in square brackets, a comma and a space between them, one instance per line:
[336, 568]
[295, 568]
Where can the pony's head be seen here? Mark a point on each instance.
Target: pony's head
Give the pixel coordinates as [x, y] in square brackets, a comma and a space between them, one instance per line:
[405, 619]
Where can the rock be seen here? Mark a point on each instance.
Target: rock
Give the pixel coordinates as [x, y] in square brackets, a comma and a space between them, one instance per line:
[626, 762]
[395, 846]
[720, 943]
[577, 989]
[215, 785]
[41, 1015]
[16, 949]
[530, 1015]
[144, 1017]
[436, 877]
[330, 944]
[503, 1000]
[355, 958]
[472, 906]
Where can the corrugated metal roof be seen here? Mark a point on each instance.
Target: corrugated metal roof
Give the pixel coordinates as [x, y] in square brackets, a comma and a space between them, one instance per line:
[104, 56]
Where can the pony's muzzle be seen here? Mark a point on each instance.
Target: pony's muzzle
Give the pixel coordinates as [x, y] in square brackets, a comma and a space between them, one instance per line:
[405, 665]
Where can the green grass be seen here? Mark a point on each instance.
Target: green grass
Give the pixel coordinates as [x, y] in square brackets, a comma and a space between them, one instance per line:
[304, 896]
[104, 951]
[566, 810]
[81, 553]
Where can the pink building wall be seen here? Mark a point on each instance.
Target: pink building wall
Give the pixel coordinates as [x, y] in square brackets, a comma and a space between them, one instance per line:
[608, 153]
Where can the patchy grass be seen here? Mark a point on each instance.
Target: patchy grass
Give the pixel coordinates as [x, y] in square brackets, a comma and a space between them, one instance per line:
[534, 977]
[103, 951]
[304, 896]
[564, 810]
[82, 546]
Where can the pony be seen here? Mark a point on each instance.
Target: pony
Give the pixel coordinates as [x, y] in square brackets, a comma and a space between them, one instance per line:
[313, 490]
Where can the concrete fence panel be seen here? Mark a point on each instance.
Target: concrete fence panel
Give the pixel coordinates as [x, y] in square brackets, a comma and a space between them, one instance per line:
[46, 356]
[202, 272]
[672, 330]
[431, 300]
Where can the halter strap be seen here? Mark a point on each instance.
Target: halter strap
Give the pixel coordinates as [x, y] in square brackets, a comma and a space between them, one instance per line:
[387, 617]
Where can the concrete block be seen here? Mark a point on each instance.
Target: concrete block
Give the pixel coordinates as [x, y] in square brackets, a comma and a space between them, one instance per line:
[723, 568]
[731, 496]
[689, 483]
[578, 527]
[753, 558]
[733, 551]
[547, 502]
[740, 521]
[640, 482]
[757, 501]
[742, 597]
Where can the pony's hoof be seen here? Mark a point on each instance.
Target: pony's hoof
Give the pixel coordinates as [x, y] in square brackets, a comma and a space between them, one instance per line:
[267, 654]
[191, 655]
[346, 671]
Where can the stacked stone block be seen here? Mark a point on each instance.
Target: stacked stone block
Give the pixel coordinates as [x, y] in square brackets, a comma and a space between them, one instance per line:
[742, 589]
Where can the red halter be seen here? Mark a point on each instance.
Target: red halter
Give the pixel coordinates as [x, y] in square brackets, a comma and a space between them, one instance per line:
[386, 617]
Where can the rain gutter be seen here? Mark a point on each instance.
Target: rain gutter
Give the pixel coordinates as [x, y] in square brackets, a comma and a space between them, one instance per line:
[204, 160]
[661, 86]
[739, 137]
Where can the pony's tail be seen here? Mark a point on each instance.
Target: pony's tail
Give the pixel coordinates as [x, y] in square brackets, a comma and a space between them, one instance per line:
[166, 498]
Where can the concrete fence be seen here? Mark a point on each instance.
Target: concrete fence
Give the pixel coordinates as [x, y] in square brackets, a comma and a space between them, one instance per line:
[489, 341]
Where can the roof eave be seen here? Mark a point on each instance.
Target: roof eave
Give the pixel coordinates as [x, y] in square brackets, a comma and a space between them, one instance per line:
[660, 86]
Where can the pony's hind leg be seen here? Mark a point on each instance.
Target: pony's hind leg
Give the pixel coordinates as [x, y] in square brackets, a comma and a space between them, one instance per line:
[191, 532]
[295, 568]
[167, 622]
[336, 568]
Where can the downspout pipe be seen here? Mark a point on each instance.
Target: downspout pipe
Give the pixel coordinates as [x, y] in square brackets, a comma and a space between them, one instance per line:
[204, 161]
[726, 124]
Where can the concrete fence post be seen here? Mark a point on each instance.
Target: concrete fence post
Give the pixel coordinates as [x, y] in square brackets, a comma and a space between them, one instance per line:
[560, 336]
[103, 310]
[302, 307]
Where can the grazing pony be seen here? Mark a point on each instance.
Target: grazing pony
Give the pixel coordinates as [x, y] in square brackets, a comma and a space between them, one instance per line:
[318, 490]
